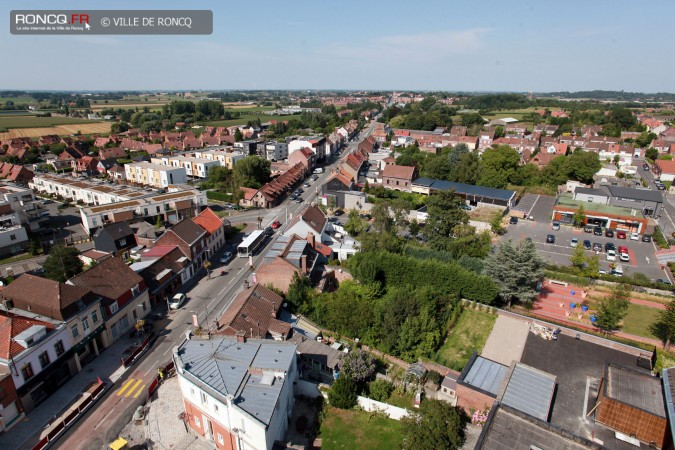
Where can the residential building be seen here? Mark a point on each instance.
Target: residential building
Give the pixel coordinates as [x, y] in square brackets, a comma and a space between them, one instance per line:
[88, 192]
[171, 207]
[315, 143]
[226, 156]
[191, 239]
[16, 173]
[33, 352]
[665, 169]
[28, 210]
[248, 403]
[254, 313]
[11, 410]
[317, 360]
[398, 178]
[123, 294]
[112, 153]
[154, 175]
[215, 227]
[115, 238]
[304, 156]
[310, 221]
[194, 167]
[273, 151]
[13, 236]
[77, 308]
[163, 270]
[274, 192]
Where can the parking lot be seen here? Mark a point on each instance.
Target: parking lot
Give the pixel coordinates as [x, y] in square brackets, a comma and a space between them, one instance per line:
[641, 254]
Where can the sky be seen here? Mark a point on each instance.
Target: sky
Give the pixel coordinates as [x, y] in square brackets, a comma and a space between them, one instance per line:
[450, 45]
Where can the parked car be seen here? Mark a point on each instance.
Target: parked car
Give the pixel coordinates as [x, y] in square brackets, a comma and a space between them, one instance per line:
[597, 247]
[465, 207]
[660, 187]
[177, 301]
[276, 224]
[624, 257]
[226, 258]
[661, 280]
[611, 255]
[555, 226]
[550, 239]
[306, 185]
[298, 200]
[609, 246]
[574, 242]
[621, 235]
[587, 244]
[609, 233]
[634, 236]
[269, 231]
[338, 212]
[315, 177]
[597, 231]
[617, 270]
[513, 220]
[622, 249]
[588, 229]
[646, 238]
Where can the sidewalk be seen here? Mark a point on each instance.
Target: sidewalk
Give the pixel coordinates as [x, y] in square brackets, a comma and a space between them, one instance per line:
[107, 366]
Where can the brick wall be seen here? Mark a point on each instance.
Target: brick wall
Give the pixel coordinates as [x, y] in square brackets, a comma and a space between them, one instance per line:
[193, 413]
[278, 273]
[470, 400]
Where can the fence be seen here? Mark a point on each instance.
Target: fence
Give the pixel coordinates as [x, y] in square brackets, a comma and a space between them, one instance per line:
[394, 412]
[307, 389]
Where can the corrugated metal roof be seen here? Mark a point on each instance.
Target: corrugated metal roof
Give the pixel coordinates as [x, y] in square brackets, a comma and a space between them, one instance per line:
[465, 189]
[530, 391]
[486, 375]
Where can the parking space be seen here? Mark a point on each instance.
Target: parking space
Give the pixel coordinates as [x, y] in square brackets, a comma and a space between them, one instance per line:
[542, 209]
[641, 254]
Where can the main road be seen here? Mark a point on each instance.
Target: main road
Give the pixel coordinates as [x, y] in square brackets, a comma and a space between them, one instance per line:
[207, 299]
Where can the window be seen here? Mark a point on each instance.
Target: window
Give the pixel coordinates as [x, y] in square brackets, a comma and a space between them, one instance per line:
[215, 407]
[85, 325]
[144, 307]
[27, 372]
[135, 290]
[59, 348]
[75, 331]
[114, 307]
[44, 359]
[94, 317]
[12, 237]
[203, 397]
[123, 242]
[221, 441]
[198, 422]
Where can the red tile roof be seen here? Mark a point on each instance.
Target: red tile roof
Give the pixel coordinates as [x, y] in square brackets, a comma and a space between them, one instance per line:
[666, 166]
[158, 251]
[12, 325]
[209, 220]
[401, 172]
[254, 312]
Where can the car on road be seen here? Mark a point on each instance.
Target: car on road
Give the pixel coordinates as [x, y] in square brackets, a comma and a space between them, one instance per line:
[276, 224]
[609, 246]
[660, 187]
[550, 239]
[315, 177]
[587, 244]
[298, 200]
[226, 258]
[609, 233]
[574, 242]
[269, 231]
[611, 255]
[555, 226]
[597, 231]
[647, 238]
[634, 236]
[621, 235]
[306, 185]
[513, 220]
[597, 247]
[645, 166]
[177, 301]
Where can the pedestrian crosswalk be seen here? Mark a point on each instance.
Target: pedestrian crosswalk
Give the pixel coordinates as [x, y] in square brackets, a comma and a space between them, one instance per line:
[131, 388]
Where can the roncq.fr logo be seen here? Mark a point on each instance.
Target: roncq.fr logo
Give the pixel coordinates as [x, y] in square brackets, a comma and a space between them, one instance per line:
[51, 19]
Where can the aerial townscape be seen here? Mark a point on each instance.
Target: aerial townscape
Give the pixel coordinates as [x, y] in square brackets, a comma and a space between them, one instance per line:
[396, 240]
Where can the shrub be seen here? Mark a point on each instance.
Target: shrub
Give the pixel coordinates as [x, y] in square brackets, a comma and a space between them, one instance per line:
[380, 390]
[659, 238]
[343, 393]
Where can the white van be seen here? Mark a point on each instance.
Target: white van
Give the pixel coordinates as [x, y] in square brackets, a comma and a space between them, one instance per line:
[318, 170]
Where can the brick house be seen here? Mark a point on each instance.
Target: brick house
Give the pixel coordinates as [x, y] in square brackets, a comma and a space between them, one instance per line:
[215, 227]
[399, 178]
[304, 156]
[191, 239]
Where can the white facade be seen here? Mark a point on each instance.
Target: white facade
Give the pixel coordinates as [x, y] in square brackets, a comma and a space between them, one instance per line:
[89, 192]
[226, 158]
[13, 239]
[155, 175]
[193, 167]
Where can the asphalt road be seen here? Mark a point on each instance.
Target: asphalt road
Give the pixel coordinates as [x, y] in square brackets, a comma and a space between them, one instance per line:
[666, 218]
[208, 298]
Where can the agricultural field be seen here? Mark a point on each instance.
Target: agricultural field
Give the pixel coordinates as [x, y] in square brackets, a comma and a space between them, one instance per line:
[245, 118]
[83, 127]
[30, 121]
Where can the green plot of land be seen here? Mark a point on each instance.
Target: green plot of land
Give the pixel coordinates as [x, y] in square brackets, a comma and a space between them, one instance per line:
[468, 335]
[342, 429]
[245, 118]
[23, 121]
[639, 319]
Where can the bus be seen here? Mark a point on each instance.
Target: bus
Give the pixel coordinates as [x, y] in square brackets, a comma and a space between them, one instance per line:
[249, 246]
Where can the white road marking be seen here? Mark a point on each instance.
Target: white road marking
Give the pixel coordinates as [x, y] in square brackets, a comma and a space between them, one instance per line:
[104, 419]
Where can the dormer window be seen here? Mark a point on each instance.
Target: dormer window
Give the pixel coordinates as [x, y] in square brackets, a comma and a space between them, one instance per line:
[135, 290]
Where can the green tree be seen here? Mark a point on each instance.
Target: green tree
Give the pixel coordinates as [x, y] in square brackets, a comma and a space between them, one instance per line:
[238, 137]
[380, 390]
[299, 292]
[414, 227]
[592, 266]
[498, 167]
[467, 169]
[357, 365]
[579, 217]
[516, 270]
[652, 154]
[611, 310]
[62, 263]
[443, 216]
[664, 327]
[251, 172]
[496, 223]
[582, 166]
[355, 224]
[437, 425]
[382, 220]
[219, 178]
[578, 257]
[343, 393]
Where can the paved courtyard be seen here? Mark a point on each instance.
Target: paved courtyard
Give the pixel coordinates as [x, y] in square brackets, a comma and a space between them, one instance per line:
[506, 341]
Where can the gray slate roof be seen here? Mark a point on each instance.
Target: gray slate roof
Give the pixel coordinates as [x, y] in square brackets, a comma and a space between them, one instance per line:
[636, 389]
[636, 194]
[486, 375]
[223, 365]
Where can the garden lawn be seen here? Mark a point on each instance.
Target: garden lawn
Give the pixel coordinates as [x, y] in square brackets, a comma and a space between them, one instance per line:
[468, 335]
[341, 429]
[639, 319]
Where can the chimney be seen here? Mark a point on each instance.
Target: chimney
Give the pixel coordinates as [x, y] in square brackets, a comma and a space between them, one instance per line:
[303, 264]
[241, 336]
[311, 239]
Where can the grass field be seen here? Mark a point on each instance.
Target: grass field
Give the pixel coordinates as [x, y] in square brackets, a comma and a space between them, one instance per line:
[245, 118]
[342, 429]
[468, 335]
[29, 121]
[639, 319]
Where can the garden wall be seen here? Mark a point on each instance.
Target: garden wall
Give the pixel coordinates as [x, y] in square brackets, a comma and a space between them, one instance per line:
[394, 412]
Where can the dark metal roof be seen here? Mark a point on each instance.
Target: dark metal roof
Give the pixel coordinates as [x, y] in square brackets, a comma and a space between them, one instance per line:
[465, 189]
[636, 194]
[636, 389]
[590, 191]
[486, 375]
[529, 390]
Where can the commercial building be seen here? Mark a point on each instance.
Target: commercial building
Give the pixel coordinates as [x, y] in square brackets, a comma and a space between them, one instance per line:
[474, 195]
[154, 175]
[237, 393]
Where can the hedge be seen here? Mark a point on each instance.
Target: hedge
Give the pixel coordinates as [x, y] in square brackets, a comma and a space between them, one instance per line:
[220, 196]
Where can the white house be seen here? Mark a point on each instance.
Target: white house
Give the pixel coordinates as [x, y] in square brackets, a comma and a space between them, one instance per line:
[154, 175]
[311, 220]
[238, 394]
[194, 167]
